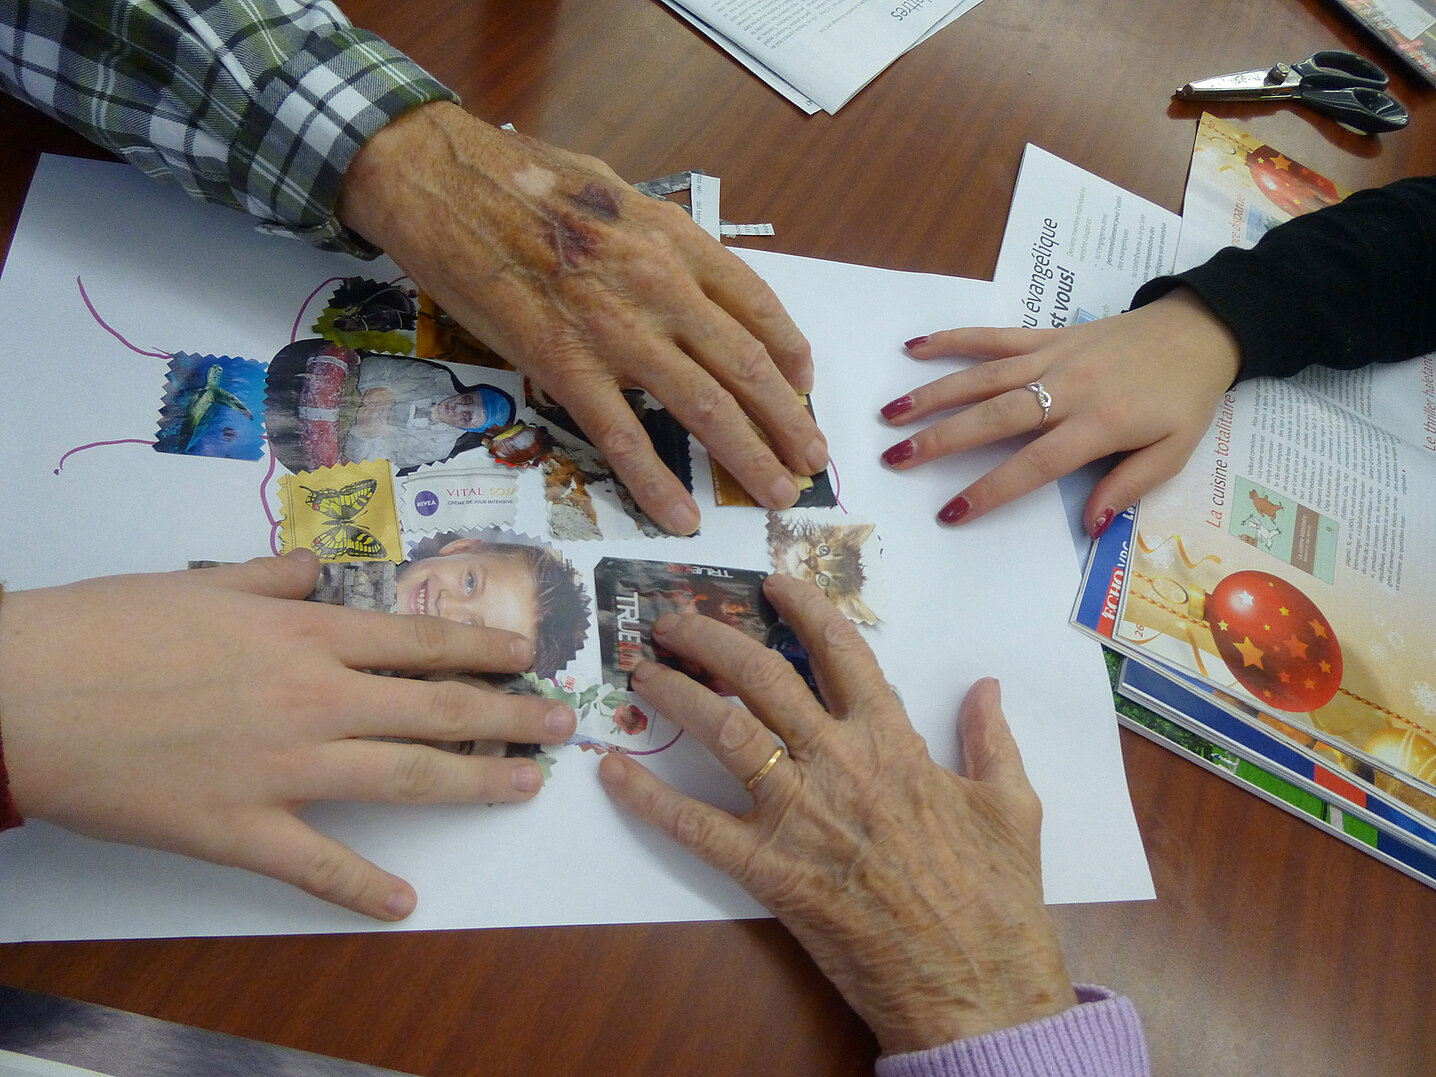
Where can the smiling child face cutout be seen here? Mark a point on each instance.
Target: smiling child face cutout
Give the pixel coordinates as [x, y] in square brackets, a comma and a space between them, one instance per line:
[475, 583]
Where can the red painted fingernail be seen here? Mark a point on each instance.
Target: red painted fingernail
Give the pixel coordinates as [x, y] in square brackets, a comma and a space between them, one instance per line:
[915, 341]
[1102, 522]
[903, 450]
[954, 510]
[897, 407]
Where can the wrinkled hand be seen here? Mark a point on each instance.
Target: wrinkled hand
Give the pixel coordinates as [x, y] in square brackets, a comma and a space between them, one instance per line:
[589, 287]
[916, 891]
[1146, 383]
[197, 711]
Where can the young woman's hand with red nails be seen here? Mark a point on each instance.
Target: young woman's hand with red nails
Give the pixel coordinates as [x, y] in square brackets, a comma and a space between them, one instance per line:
[1145, 384]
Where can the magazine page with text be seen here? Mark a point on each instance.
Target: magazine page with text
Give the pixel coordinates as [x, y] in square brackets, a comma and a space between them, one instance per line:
[1287, 566]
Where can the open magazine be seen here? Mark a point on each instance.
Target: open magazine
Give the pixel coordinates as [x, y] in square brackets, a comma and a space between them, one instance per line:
[1386, 803]
[1273, 595]
[1285, 564]
[1239, 188]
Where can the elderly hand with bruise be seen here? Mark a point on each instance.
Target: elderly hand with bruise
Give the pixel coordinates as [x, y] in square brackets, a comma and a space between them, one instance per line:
[590, 287]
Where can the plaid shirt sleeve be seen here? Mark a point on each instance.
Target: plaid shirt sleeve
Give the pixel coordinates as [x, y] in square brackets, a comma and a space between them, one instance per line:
[258, 104]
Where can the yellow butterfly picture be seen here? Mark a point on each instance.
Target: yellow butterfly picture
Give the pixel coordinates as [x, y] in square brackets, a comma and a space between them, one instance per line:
[342, 537]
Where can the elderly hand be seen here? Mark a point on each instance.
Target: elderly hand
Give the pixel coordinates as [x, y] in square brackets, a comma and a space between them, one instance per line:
[197, 711]
[589, 287]
[917, 892]
[1146, 383]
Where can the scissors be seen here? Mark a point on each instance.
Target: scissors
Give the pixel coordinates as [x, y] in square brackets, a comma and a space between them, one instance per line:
[1347, 87]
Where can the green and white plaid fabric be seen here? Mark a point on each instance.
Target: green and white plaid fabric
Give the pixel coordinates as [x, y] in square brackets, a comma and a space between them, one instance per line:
[256, 105]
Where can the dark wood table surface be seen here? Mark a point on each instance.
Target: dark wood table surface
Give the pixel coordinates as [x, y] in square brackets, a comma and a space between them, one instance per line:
[1271, 948]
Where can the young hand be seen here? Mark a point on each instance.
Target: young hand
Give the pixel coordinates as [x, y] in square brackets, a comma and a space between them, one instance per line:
[589, 287]
[197, 711]
[1145, 383]
[917, 891]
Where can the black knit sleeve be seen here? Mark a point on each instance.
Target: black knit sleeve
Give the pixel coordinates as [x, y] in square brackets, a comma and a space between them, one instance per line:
[1351, 284]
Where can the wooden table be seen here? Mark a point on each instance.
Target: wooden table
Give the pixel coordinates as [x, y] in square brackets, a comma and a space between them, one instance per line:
[1272, 948]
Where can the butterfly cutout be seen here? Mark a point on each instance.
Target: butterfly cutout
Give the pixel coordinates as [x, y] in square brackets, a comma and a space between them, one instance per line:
[343, 537]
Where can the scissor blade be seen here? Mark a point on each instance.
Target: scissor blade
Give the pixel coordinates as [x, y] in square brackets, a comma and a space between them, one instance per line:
[1242, 86]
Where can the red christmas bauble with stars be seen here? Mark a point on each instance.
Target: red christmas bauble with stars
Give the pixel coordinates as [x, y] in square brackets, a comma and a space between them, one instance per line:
[1275, 641]
[1292, 187]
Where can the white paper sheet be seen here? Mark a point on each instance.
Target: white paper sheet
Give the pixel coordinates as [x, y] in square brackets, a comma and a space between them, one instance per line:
[820, 53]
[1077, 246]
[17, 1065]
[989, 598]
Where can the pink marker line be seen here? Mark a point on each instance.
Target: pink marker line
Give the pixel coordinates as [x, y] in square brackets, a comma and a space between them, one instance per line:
[655, 751]
[107, 328]
[274, 522]
[98, 444]
[294, 331]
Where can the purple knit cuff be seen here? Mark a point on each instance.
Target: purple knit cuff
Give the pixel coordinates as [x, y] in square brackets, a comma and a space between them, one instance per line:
[1099, 1037]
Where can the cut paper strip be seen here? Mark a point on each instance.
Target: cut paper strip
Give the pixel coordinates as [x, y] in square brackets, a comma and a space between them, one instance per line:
[730, 231]
[703, 202]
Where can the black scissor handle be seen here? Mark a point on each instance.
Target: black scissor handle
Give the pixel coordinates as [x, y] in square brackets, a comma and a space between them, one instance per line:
[1361, 107]
[1339, 69]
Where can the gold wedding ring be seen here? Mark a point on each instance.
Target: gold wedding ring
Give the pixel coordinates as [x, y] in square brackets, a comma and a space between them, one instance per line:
[752, 782]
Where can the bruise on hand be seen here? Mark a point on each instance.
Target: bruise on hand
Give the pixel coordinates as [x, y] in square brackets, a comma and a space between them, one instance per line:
[571, 240]
[572, 236]
[568, 217]
[598, 200]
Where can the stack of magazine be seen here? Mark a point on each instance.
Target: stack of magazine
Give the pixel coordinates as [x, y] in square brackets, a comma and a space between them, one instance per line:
[1268, 612]
[1407, 27]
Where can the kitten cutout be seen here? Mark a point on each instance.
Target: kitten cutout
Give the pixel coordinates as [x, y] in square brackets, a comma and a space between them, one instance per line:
[827, 555]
